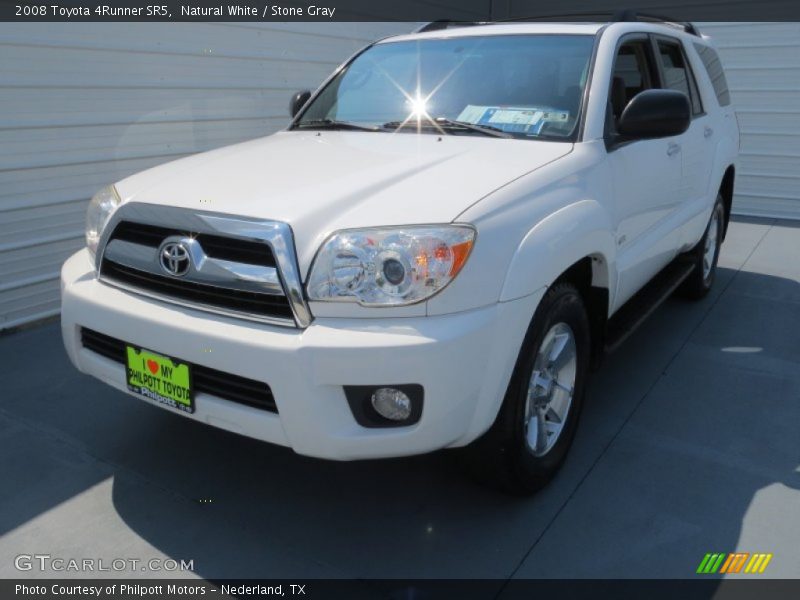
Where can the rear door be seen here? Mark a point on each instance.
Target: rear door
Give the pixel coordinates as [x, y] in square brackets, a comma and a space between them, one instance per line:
[697, 144]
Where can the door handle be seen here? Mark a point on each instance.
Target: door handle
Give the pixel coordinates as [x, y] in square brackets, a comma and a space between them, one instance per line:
[708, 132]
[673, 149]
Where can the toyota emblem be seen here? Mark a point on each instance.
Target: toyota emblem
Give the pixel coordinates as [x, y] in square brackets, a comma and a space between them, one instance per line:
[174, 258]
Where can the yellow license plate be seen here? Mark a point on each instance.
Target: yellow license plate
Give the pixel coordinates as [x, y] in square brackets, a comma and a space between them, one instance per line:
[160, 378]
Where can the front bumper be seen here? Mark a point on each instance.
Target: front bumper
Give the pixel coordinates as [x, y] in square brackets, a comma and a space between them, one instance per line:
[463, 361]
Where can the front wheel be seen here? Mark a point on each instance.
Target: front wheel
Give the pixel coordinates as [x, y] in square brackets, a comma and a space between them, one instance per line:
[536, 424]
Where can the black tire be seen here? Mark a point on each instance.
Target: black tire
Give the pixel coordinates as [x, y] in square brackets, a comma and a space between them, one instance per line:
[502, 457]
[699, 283]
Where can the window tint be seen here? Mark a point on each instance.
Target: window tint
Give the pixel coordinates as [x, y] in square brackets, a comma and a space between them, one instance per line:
[677, 74]
[631, 76]
[713, 67]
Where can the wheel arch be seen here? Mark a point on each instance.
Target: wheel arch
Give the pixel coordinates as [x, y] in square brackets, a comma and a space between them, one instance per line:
[590, 277]
[576, 241]
[726, 191]
[574, 245]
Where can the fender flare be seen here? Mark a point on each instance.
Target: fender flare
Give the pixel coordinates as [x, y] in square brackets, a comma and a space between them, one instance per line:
[558, 241]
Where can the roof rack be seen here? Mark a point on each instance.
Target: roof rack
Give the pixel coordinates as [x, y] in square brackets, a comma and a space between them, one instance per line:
[632, 15]
[446, 24]
[620, 16]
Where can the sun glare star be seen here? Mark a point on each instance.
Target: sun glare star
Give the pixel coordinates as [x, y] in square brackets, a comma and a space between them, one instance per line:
[418, 107]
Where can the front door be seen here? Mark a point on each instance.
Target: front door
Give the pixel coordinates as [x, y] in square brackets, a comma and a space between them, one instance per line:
[645, 178]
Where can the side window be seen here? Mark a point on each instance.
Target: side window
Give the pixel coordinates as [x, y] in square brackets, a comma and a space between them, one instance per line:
[632, 73]
[677, 73]
[713, 67]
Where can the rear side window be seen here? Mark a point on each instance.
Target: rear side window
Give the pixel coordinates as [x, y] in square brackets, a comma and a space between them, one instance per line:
[713, 67]
[677, 74]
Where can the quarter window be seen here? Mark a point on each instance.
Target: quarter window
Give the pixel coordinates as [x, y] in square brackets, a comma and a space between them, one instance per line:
[713, 67]
[677, 74]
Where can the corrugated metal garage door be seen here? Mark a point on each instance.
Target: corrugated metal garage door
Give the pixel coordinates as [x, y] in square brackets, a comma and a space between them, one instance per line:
[762, 63]
[85, 105]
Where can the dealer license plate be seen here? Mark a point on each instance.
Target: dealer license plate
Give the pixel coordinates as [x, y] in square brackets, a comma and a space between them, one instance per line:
[160, 378]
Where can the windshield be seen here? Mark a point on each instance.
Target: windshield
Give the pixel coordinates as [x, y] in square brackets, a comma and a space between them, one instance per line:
[527, 86]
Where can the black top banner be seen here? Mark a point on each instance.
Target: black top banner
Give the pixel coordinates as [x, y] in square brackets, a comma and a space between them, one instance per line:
[388, 10]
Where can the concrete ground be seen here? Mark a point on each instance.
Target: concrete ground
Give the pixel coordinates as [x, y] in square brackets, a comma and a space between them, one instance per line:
[690, 443]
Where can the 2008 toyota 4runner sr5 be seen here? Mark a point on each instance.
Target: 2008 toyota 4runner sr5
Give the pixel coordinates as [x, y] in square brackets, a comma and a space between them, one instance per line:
[433, 254]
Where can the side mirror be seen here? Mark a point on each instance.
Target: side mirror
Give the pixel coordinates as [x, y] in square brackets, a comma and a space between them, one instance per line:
[655, 114]
[297, 102]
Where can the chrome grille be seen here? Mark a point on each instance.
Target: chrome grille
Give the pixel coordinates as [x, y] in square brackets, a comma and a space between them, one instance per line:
[215, 246]
[238, 267]
[197, 293]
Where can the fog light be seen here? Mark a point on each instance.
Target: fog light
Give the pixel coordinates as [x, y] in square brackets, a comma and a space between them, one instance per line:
[391, 404]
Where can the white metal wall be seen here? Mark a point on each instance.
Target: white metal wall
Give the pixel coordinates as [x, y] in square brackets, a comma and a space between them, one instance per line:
[762, 65]
[83, 105]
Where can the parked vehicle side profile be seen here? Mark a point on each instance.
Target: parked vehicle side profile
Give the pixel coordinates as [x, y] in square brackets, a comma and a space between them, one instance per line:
[435, 253]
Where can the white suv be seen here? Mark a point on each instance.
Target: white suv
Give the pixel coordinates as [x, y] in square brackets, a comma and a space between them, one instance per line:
[450, 233]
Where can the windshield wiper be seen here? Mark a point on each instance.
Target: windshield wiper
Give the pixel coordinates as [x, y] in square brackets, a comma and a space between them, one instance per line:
[445, 123]
[484, 129]
[334, 124]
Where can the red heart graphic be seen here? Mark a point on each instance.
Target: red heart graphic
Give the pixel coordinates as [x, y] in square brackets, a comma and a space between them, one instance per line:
[153, 366]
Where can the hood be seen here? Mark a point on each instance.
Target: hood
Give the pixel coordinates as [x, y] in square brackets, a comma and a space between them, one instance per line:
[319, 182]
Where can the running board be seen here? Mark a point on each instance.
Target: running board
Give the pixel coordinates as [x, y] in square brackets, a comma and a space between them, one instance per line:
[636, 310]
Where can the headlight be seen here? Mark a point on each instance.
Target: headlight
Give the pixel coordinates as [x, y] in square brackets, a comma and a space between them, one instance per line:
[101, 207]
[389, 266]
